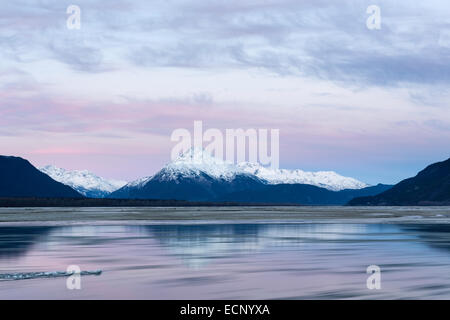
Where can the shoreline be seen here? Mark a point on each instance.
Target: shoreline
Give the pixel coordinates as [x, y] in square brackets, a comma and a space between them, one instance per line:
[220, 215]
[18, 202]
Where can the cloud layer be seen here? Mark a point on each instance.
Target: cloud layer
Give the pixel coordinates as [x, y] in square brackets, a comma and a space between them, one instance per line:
[139, 69]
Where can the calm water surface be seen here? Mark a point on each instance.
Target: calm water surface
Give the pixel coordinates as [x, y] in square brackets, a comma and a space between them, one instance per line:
[229, 261]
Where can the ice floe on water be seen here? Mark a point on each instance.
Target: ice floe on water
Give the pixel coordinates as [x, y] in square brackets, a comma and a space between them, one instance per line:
[52, 274]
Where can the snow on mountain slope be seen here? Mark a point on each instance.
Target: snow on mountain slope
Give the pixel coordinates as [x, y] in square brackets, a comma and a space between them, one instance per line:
[83, 181]
[324, 179]
[139, 182]
[194, 162]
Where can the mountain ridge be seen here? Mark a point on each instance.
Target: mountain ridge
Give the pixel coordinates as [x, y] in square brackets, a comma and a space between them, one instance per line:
[83, 181]
[197, 176]
[431, 186]
[195, 161]
[19, 178]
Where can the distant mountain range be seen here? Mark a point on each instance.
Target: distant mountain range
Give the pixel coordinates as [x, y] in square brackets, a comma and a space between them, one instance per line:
[300, 194]
[430, 186]
[324, 179]
[19, 178]
[83, 181]
[197, 176]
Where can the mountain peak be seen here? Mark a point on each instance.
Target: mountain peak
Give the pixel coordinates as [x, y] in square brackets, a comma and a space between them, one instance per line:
[83, 181]
[196, 161]
[324, 179]
[197, 156]
[19, 178]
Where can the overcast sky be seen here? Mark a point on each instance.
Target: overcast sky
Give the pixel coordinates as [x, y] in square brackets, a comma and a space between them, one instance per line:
[372, 104]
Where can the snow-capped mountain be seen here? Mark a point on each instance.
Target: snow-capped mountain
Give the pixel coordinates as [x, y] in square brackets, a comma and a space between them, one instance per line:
[84, 181]
[197, 176]
[196, 161]
[20, 179]
[325, 179]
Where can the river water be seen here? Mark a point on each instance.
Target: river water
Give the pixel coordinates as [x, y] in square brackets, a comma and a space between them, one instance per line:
[228, 260]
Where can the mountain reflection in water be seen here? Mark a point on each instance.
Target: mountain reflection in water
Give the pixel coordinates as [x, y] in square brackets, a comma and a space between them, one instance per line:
[230, 261]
